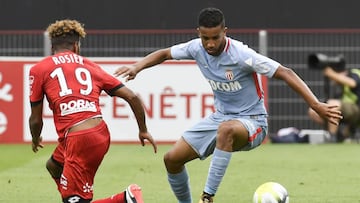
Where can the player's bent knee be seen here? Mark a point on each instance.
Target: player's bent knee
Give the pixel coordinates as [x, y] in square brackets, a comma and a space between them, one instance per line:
[75, 199]
[54, 168]
[231, 135]
[229, 127]
[172, 165]
[167, 158]
[225, 131]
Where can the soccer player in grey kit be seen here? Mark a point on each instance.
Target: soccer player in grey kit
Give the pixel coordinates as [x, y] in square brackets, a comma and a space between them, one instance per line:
[240, 121]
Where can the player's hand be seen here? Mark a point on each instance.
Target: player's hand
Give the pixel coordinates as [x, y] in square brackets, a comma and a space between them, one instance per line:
[128, 71]
[36, 143]
[329, 112]
[146, 136]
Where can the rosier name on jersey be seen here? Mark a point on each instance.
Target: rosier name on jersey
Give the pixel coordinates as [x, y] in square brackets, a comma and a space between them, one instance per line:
[75, 106]
[68, 58]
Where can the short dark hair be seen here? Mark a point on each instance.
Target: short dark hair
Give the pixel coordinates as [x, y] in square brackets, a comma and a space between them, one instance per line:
[211, 17]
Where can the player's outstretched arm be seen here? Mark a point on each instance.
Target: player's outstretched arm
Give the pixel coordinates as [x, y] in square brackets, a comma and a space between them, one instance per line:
[137, 107]
[130, 71]
[36, 124]
[326, 111]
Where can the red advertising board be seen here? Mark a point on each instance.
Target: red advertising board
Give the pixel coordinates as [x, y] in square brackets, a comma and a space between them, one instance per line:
[11, 101]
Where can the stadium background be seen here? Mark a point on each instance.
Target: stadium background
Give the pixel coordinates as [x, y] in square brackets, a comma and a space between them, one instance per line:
[134, 28]
[168, 14]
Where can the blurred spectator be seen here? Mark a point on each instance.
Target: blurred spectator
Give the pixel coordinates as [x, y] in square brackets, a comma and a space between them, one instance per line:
[348, 103]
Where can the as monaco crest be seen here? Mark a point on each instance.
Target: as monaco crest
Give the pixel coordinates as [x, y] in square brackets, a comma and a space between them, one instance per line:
[229, 75]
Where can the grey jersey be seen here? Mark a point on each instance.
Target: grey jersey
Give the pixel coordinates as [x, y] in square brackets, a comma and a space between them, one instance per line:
[234, 75]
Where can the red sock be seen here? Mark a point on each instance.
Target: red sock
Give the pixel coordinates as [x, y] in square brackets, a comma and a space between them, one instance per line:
[117, 198]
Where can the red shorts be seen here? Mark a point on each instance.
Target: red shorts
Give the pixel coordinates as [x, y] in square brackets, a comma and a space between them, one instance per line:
[81, 153]
[58, 154]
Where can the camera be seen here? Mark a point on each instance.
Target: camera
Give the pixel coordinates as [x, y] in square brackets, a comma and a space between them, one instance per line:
[319, 61]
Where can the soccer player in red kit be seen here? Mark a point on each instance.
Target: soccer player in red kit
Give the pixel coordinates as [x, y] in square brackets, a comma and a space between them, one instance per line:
[72, 85]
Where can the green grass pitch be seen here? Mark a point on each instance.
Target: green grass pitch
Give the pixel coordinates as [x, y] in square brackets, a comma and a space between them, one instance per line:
[328, 173]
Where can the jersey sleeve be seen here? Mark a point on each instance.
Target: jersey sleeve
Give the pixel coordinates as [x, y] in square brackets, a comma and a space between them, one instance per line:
[260, 63]
[35, 85]
[108, 82]
[182, 51]
[265, 66]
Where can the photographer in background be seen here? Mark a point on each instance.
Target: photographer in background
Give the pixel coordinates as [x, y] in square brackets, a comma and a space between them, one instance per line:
[333, 68]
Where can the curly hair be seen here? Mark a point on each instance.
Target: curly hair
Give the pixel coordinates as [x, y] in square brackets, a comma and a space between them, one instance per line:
[65, 32]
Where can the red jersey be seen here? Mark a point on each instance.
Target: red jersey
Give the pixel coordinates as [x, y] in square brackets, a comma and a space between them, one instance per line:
[72, 85]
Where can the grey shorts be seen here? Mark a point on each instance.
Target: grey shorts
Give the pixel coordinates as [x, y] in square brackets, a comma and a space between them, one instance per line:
[351, 113]
[202, 136]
